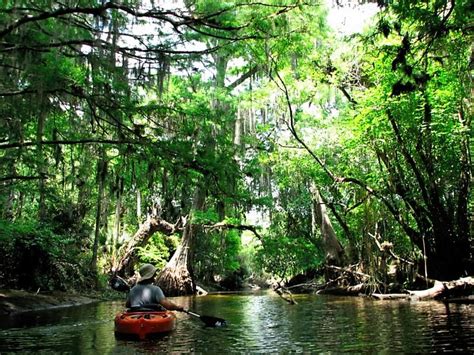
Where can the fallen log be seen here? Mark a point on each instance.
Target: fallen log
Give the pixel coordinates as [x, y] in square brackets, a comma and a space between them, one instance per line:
[436, 291]
[440, 290]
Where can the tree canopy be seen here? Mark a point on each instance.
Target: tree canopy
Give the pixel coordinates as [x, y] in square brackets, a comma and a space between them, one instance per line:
[234, 140]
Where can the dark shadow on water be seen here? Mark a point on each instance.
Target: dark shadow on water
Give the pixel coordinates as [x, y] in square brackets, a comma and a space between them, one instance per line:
[134, 337]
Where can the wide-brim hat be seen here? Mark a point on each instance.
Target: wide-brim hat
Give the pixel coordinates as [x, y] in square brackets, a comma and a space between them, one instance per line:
[147, 271]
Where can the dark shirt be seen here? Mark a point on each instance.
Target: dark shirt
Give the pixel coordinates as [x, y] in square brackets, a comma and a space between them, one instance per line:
[142, 295]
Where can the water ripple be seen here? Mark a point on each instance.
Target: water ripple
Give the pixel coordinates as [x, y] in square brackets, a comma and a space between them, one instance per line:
[256, 324]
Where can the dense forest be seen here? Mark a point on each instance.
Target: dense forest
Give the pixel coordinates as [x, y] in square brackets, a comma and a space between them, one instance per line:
[234, 142]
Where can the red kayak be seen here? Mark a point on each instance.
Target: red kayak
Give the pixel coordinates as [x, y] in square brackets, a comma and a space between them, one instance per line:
[144, 323]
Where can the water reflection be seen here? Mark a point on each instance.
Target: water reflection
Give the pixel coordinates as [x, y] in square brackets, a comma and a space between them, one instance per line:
[256, 323]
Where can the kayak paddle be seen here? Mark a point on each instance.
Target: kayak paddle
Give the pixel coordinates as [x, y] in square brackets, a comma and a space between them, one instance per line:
[208, 320]
[119, 284]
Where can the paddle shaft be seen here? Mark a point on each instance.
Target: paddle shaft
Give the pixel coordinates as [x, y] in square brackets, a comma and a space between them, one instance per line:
[208, 320]
[192, 313]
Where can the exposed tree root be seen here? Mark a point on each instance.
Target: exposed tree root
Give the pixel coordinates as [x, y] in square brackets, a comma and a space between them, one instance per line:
[176, 281]
[459, 291]
[351, 282]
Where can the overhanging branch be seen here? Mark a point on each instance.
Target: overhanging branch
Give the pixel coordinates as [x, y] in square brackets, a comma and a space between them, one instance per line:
[19, 177]
[65, 142]
[244, 77]
[241, 227]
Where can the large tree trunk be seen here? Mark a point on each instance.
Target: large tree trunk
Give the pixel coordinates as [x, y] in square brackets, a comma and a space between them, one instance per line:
[42, 168]
[450, 255]
[175, 279]
[177, 276]
[101, 174]
[118, 219]
[332, 248]
[11, 195]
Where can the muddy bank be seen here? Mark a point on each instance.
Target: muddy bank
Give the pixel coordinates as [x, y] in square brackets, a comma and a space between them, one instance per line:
[17, 301]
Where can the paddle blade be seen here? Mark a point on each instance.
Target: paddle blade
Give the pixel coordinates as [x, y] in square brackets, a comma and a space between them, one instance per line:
[213, 321]
[119, 284]
[208, 320]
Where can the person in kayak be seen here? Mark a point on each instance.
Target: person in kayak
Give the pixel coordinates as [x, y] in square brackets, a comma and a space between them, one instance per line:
[146, 296]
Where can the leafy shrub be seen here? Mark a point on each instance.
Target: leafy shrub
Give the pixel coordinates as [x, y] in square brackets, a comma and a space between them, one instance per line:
[35, 257]
[286, 256]
[158, 250]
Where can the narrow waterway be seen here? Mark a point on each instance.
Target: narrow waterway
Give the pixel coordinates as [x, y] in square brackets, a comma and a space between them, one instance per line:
[257, 323]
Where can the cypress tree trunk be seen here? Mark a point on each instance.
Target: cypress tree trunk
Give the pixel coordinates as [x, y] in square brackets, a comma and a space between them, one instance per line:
[332, 248]
[101, 174]
[41, 165]
[12, 196]
[176, 278]
[118, 218]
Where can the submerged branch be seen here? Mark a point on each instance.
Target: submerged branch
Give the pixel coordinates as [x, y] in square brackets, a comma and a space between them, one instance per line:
[285, 294]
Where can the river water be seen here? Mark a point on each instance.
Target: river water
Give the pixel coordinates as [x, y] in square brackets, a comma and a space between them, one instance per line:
[257, 323]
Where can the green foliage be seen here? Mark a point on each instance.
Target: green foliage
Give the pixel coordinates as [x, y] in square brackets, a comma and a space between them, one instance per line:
[410, 119]
[286, 256]
[158, 249]
[217, 253]
[208, 216]
[35, 257]
[380, 124]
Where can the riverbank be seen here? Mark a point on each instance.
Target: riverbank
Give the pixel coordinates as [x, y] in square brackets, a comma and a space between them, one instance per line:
[18, 301]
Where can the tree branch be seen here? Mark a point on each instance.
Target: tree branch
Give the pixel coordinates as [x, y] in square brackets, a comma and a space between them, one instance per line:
[347, 95]
[241, 227]
[65, 142]
[244, 77]
[175, 18]
[20, 177]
